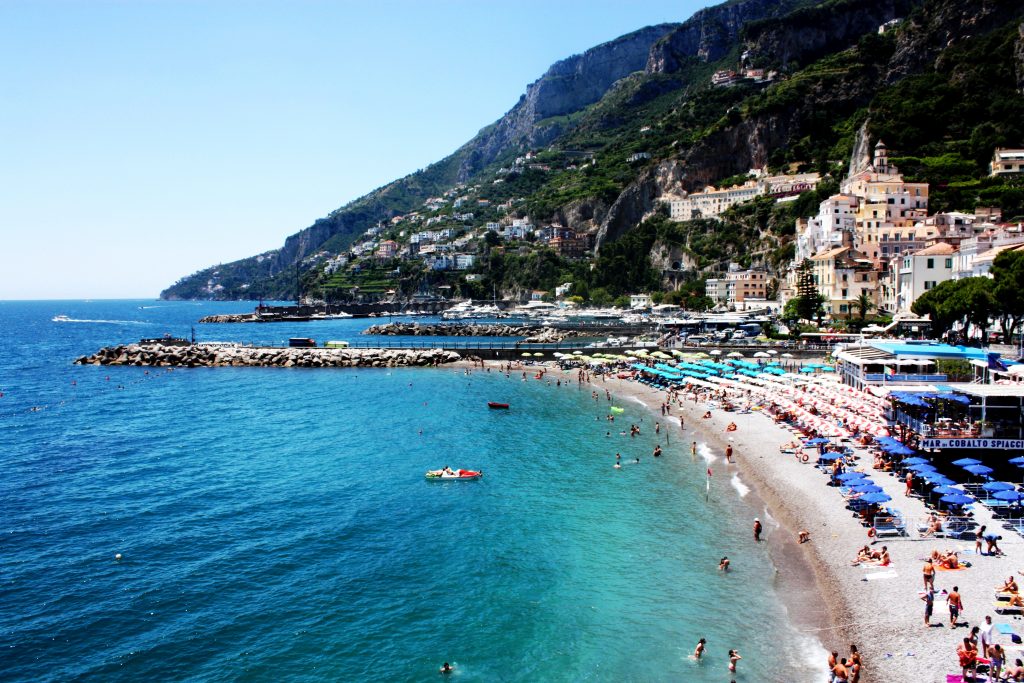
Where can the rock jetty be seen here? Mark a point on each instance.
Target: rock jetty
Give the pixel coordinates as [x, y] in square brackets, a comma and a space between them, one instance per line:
[201, 355]
[534, 335]
[230, 318]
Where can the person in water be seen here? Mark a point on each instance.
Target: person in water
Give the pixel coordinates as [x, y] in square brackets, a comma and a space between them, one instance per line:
[446, 668]
[723, 564]
[698, 651]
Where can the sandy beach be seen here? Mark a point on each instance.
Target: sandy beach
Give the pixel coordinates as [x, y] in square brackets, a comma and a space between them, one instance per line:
[878, 609]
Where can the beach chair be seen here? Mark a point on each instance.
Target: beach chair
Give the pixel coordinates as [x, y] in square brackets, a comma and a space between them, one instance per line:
[1006, 608]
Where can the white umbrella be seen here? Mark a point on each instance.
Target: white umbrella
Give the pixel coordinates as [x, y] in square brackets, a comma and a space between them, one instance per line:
[577, 353]
[787, 355]
[762, 354]
[715, 352]
[735, 354]
[773, 352]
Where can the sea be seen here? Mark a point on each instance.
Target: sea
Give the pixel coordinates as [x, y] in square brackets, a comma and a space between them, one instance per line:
[275, 524]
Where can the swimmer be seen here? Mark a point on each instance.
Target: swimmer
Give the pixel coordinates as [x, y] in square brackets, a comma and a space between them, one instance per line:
[698, 651]
[446, 668]
[723, 564]
[734, 657]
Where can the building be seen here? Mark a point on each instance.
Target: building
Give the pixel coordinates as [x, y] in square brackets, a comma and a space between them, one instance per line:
[716, 289]
[842, 275]
[387, 249]
[745, 284]
[887, 207]
[639, 300]
[1006, 161]
[464, 261]
[836, 216]
[712, 201]
[921, 271]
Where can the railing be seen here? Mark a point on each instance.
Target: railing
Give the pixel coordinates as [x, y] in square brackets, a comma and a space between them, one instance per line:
[881, 377]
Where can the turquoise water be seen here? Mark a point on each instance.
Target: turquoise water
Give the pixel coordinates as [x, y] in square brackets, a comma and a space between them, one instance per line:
[274, 524]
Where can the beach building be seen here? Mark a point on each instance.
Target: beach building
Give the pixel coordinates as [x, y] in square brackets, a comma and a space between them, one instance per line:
[712, 201]
[884, 363]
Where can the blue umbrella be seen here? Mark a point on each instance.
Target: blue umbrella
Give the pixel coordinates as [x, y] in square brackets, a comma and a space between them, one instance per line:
[998, 486]
[978, 469]
[830, 456]
[866, 487]
[924, 467]
[816, 441]
[808, 369]
[956, 499]
[828, 368]
[1012, 496]
[876, 497]
[944, 489]
[1017, 461]
[917, 461]
[849, 476]
[964, 462]
[936, 478]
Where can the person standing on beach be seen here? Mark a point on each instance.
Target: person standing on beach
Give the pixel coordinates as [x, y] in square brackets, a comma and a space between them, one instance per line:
[839, 672]
[929, 574]
[728, 453]
[985, 634]
[681, 423]
[929, 605]
[979, 536]
[968, 657]
[956, 605]
[855, 664]
[757, 530]
[910, 483]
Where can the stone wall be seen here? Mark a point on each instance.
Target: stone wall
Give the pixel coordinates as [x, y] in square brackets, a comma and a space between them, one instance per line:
[199, 355]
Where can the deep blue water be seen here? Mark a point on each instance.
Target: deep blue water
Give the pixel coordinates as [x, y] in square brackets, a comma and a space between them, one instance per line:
[274, 524]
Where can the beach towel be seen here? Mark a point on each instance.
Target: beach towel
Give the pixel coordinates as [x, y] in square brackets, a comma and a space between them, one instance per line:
[950, 569]
[880, 575]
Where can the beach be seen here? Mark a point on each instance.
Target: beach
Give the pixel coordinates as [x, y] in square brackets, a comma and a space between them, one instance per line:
[878, 608]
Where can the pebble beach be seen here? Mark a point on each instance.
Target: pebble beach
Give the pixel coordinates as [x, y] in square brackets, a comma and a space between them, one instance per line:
[877, 608]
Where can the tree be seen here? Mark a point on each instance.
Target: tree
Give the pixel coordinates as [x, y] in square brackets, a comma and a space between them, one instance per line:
[1008, 275]
[808, 299]
[864, 305]
[600, 297]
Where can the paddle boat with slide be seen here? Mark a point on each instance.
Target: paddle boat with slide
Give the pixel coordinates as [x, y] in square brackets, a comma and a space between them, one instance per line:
[448, 474]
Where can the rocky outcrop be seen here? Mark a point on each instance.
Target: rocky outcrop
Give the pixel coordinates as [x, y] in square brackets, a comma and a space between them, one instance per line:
[230, 318]
[710, 33]
[942, 24]
[638, 200]
[1018, 59]
[534, 335]
[567, 87]
[199, 355]
[809, 33]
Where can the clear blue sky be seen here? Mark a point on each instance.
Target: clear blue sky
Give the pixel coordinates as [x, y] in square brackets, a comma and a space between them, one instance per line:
[142, 141]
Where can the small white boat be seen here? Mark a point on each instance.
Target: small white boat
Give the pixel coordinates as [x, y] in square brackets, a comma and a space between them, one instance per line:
[61, 319]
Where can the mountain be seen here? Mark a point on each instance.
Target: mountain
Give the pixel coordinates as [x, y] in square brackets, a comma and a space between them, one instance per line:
[942, 85]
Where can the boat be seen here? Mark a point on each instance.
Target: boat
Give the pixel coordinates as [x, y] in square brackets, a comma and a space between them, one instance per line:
[492, 404]
[457, 475]
[60, 319]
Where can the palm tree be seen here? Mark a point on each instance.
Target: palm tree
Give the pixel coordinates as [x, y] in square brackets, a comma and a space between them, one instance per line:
[864, 304]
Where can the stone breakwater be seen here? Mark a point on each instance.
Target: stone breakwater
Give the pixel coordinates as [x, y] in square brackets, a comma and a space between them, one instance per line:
[533, 335]
[199, 355]
[230, 318]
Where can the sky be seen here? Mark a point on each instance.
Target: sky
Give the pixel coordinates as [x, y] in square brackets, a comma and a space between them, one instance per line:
[141, 140]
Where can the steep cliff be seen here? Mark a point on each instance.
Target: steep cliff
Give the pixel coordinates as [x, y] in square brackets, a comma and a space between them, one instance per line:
[567, 87]
[711, 33]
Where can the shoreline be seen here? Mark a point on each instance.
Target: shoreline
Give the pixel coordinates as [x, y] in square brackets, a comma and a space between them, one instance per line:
[799, 571]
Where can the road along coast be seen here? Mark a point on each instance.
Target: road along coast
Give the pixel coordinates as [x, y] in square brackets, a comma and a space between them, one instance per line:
[201, 355]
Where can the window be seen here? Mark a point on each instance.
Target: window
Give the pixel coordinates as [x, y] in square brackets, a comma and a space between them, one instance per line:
[928, 284]
[843, 308]
[931, 263]
[949, 263]
[846, 293]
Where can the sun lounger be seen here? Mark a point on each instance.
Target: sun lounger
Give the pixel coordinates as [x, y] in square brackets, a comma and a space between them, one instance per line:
[1005, 608]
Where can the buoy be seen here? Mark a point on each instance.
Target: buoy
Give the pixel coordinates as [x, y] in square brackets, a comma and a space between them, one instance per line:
[117, 556]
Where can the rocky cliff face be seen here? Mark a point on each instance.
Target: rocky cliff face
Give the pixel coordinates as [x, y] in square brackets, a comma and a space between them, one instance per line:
[567, 87]
[812, 32]
[941, 24]
[1019, 59]
[710, 33]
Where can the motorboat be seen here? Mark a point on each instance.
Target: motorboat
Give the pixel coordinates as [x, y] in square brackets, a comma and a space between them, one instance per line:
[453, 475]
[61, 319]
[492, 404]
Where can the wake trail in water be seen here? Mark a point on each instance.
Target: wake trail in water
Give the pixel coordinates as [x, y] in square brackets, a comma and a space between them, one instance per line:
[106, 322]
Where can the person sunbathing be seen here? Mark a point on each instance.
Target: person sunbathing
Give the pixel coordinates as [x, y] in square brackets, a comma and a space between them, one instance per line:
[950, 561]
[863, 555]
[731, 427]
[1009, 586]
[883, 558]
[1016, 600]
[934, 526]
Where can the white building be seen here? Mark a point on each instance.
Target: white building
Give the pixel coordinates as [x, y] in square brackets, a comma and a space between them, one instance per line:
[639, 300]
[717, 289]
[921, 271]
[1005, 161]
[464, 261]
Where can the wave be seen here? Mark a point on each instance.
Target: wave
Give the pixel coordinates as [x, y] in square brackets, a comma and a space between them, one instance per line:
[705, 452]
[103, 322]
[740, 487]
